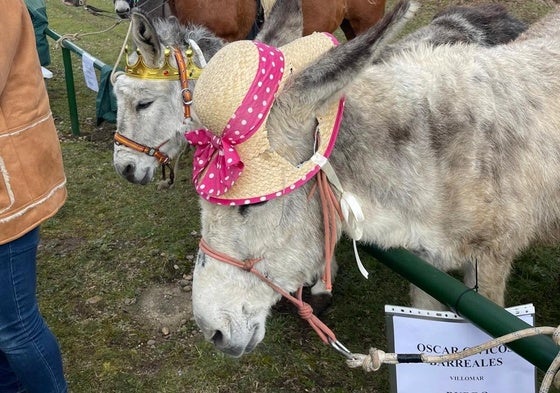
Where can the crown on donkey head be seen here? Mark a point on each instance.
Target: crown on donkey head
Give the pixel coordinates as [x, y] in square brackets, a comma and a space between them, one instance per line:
[139, 69]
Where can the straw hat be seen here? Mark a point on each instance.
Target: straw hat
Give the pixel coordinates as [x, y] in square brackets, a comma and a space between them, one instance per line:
[234, 163]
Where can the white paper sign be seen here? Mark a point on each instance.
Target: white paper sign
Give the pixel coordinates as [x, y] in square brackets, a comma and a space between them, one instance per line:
[497, 370]
[89, 71]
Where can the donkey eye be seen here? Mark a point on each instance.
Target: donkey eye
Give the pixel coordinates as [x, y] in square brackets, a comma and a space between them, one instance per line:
[143, 105]
[244, 209]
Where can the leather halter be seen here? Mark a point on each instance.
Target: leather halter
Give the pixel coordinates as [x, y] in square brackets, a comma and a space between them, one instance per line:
[155, 152]
[184, 78]
[162, 158]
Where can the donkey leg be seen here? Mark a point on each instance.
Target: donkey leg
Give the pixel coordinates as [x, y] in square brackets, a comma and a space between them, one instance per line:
[321, 297]
[422, 300]
[491, 278]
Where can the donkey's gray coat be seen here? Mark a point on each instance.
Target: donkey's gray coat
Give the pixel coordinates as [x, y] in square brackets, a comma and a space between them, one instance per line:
[485, 24]
[453, 152]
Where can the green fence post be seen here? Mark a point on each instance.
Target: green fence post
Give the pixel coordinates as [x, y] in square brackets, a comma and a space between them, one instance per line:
[70, 90]
[493, 319]
[69, 79]
[68, 47]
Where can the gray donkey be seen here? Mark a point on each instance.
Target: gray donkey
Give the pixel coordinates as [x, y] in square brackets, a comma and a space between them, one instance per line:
[150, 111]
[484, 24]
[452, 152]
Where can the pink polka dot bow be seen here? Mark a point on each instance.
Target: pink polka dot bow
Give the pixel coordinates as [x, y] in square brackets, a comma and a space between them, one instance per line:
[216, 163]
[218, 157]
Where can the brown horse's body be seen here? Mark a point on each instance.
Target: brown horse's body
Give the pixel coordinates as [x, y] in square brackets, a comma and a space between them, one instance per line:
[353, 16]
[233, 20]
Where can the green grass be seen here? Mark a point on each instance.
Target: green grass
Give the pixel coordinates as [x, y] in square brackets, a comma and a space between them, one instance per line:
[113, 240]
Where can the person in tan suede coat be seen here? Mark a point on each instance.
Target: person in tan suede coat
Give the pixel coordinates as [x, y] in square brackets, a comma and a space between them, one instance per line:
[32, 189]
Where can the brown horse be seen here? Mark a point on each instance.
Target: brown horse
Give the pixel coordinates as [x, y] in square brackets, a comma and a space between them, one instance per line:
[353, 16]
[236, 19]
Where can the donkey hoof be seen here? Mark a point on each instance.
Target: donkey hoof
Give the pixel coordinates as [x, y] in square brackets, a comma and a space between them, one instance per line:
[320, 302]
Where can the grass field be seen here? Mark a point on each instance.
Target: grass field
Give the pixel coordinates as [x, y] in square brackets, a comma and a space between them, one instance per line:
[115, 267]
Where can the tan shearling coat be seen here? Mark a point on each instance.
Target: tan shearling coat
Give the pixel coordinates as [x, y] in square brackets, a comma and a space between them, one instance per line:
[32, 180]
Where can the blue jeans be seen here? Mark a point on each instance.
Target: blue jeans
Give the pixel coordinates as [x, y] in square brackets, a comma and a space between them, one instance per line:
[30, 359]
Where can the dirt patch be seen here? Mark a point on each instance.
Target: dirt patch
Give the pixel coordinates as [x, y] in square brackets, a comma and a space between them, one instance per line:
[164, 307]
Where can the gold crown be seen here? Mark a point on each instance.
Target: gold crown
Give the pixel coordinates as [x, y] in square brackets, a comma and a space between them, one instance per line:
[166, 71]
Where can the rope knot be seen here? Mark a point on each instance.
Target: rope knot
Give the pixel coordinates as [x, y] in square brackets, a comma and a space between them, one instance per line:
[248, 264]
[376, 358]
[556, 336]
[369, 362]
[305, 311]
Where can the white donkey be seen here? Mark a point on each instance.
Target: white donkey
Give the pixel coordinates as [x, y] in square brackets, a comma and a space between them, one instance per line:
[451, 151]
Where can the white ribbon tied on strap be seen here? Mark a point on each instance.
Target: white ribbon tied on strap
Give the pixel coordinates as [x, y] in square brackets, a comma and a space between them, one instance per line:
[198, 52]
[350, 206]
[353, 215]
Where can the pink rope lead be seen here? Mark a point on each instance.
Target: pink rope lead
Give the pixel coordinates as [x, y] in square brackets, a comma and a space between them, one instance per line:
[331, 208]
[304, 309]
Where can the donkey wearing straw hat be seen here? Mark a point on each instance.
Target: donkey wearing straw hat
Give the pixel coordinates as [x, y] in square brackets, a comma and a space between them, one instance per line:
[451, 151]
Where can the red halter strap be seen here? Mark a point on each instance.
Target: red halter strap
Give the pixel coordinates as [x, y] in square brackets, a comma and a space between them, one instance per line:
[304, 309]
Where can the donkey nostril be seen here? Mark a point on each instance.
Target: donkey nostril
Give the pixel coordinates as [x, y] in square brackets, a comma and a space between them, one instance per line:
[217, 338]
[128, 170]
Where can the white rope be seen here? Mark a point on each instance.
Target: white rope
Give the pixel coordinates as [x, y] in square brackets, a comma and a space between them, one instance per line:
[115, 74]
[199, 54]
[77, 36]
[376, 357]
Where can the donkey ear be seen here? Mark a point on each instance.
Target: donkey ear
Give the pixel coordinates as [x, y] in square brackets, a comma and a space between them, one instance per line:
[283, 25]
[145, 38]
[326, 78]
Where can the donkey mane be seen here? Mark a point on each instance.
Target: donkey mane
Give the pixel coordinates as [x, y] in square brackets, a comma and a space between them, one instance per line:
[174, 34]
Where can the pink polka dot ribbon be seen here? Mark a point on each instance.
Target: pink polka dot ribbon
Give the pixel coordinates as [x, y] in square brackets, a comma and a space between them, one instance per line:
[216, 163]
[219, 158]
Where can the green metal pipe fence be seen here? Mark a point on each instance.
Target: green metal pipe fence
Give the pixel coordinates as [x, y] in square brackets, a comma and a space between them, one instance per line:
[486, 315]
[67, 48]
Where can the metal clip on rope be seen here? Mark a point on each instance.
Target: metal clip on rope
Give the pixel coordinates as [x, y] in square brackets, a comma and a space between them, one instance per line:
[337, 346]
